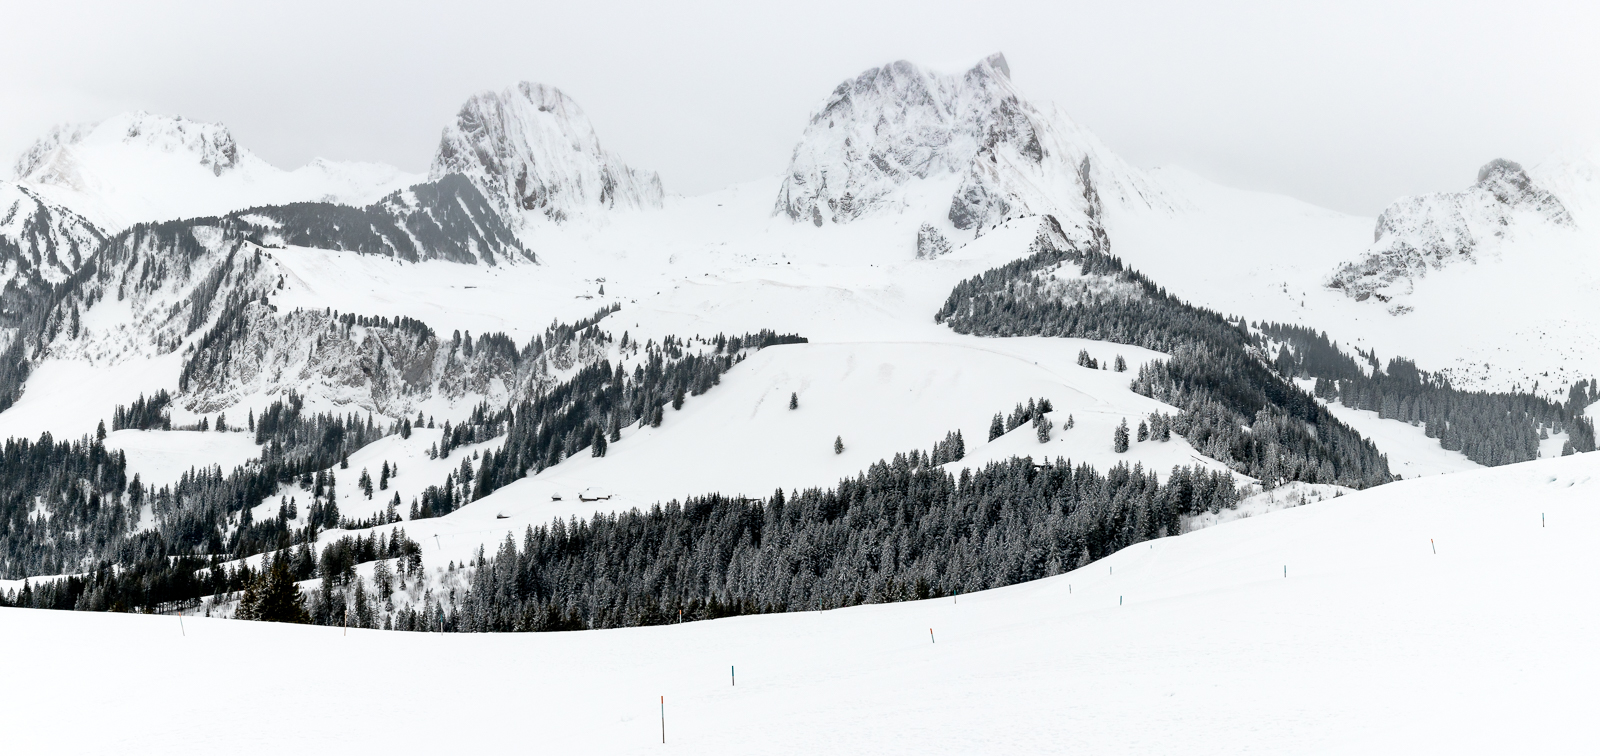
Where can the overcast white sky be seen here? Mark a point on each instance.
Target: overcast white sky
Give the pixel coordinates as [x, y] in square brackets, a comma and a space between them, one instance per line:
[1345, 104]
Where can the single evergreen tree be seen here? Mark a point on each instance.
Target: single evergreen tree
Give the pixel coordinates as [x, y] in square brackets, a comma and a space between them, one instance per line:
[1144, 431]
[1119, 438]
[383, 477]
[997, 427]
[1121, 364]
[838, 444]
[794, 400]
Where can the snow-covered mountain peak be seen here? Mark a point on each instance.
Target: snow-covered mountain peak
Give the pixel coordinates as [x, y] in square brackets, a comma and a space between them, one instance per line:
[53, 158]
[901, 123]
[1433, 231]
[137, 167]
[1510, 185]
[531, 148]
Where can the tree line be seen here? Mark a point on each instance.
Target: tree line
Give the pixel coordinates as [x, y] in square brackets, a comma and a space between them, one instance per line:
[904, 529]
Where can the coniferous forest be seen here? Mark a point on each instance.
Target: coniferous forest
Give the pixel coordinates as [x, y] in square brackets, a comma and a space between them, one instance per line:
[1215, 374]
[1490, 428]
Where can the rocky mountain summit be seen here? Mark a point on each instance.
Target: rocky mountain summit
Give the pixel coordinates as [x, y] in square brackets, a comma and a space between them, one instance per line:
[531, 149]
[1432, 231]
[879, 135]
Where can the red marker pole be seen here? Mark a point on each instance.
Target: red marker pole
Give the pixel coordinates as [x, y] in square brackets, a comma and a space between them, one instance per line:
[663, 720]
[930, 636]
[1433, 546]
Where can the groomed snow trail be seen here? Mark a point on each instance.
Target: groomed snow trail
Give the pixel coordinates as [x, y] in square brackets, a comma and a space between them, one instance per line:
[1373, 643]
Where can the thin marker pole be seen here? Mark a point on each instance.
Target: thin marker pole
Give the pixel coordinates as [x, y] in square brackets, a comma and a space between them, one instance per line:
[930, 636]
[180, 624]
[1541, 519]
[1286, 570]
[1119, 601]
[733, 677]
[1433, 546]
[663, 720]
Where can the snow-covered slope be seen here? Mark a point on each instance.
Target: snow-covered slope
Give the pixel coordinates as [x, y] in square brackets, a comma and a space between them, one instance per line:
[531, 149]
[139, 166]
[445, 219]
[40, 239]
[1439, 615]
[185, 297]
[988, 154]
[881, 398]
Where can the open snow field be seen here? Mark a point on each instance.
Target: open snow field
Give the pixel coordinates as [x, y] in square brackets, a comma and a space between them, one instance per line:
[1373, 643]
[161, 457]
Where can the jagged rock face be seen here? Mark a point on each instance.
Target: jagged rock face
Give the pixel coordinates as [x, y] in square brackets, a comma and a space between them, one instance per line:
[1429, 232]
[447, 219]
[531, 148]
[898, 124]
[386, 367]
[140, 167]
[931, 243]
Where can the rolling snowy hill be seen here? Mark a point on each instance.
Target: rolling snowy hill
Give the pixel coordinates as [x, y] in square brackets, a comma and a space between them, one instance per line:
[1439, 614]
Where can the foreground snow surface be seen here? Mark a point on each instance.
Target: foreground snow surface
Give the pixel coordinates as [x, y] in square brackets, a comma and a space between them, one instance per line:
[1373, 643]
